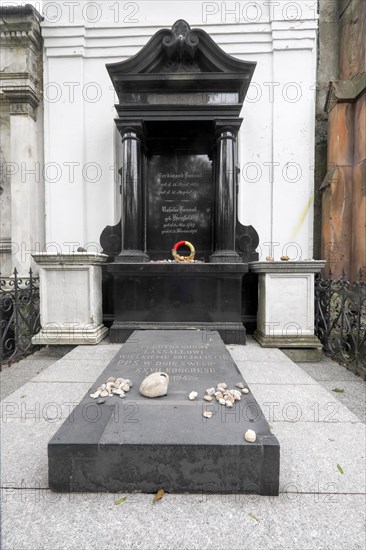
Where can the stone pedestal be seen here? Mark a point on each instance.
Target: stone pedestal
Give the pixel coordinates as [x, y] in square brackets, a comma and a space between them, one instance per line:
[173, 296]
[71, 298]
[286, 307]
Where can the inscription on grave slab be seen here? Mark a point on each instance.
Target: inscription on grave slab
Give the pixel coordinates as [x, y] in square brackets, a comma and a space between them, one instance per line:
[180, 361]
[180, 203]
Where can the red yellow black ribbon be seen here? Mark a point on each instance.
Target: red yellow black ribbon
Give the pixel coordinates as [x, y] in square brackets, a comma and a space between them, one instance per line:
[177, 257]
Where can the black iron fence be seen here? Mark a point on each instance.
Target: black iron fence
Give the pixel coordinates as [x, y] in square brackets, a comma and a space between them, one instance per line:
[340, 320]
[19, 315]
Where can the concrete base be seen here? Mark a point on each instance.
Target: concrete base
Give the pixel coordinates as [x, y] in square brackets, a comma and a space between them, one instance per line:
[141, 444]
[70, 336]
[303, 355]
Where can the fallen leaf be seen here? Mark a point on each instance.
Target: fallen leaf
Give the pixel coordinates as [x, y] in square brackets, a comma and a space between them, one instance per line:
[253, 517]
[340, 469]
[159, 495]
[120, 501]
[338, 390]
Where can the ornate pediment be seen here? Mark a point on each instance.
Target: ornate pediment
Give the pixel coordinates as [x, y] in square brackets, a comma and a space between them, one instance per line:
[177, 51]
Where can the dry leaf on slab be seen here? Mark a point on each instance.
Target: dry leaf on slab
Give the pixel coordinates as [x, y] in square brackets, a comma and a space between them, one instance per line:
[159, 495]
[253, 517]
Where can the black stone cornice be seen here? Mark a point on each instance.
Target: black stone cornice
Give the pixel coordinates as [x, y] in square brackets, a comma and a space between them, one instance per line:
[182, 55]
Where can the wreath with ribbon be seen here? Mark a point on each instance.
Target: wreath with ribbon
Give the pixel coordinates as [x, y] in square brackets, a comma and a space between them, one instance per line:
[177, 257]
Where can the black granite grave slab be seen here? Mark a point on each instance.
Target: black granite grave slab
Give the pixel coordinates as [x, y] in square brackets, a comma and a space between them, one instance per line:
[142, 444]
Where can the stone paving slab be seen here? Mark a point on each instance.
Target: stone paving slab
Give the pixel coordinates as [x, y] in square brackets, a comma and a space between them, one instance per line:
[40, 520]
[15, 376]
[76, 370]
[100, 351]
[268, 372]
[310, 452]
[253, 352]
[326, 369]
[24, 461]
[300, 403]
[47, 400]
[353, 396]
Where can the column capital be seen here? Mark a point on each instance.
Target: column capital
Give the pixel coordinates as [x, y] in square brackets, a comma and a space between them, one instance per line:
[227, 125]
[131, 127]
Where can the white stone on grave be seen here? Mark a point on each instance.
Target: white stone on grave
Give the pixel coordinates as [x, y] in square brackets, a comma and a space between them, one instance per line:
[285, 317]
[71, 298]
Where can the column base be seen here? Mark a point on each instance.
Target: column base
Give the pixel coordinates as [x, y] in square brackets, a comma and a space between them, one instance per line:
[225, 257]
[131, 257]
[303, 355]
[70, 336]
[278, 341]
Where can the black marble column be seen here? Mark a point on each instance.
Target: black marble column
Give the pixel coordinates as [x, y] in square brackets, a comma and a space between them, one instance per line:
[132, 199]
[225, 198]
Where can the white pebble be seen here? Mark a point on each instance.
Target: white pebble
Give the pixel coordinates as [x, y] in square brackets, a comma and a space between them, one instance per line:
[210, 391]
[250, 436]
[192, 396]
[207, 414]
[95, 395]
[222, 401]
[117, 391]
[245, 390]
[240, 385]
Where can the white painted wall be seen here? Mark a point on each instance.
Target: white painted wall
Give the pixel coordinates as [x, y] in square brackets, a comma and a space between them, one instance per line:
[81, 37]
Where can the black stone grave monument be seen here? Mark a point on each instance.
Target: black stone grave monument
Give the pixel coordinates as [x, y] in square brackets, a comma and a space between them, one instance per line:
[179, 105]
[143, 444]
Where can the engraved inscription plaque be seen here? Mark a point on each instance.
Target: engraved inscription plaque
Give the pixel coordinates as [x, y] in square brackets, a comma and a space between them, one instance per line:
[179, 205]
